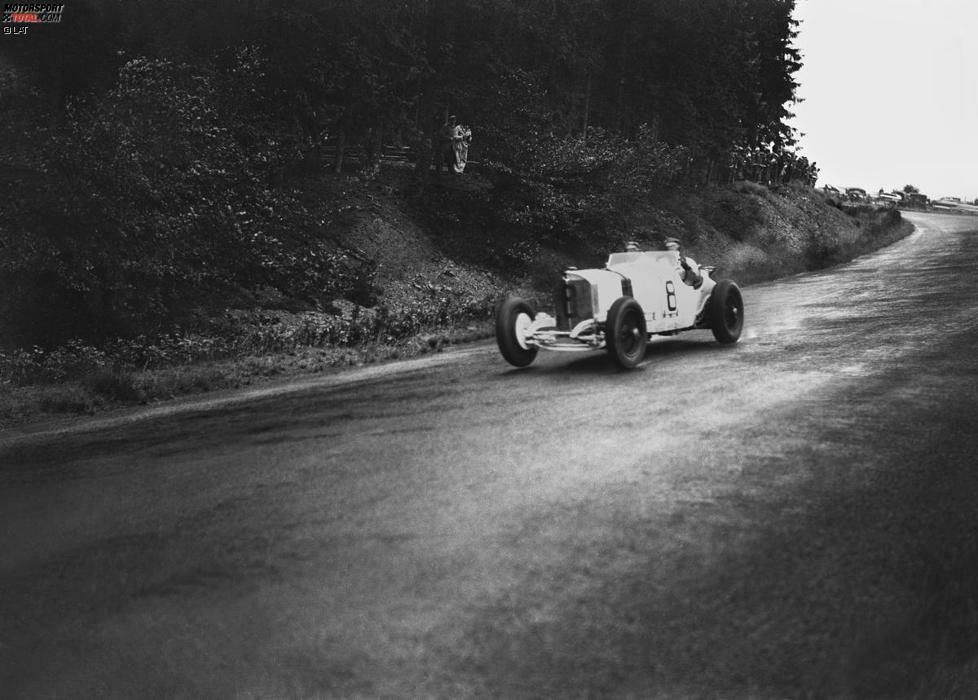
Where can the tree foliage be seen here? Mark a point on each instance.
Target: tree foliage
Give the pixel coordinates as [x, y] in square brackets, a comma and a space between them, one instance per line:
[163, 135]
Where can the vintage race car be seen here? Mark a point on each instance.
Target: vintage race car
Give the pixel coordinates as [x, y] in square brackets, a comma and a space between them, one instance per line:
[618, 308]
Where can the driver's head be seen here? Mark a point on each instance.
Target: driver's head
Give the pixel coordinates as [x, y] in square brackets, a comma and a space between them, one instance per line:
[631, 247]
[672, 244]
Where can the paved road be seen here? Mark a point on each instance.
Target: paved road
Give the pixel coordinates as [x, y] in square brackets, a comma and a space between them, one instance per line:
[792, 515]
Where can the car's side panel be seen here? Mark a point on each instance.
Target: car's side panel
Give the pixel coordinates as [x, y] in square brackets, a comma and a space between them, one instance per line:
[669, 304]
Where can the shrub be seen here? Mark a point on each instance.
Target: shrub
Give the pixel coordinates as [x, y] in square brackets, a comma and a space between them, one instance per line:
[573, 191]
[39, 365]
[149, 209]
[113, 386]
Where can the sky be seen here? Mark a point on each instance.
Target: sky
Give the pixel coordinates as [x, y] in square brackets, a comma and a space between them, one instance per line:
[889, 94]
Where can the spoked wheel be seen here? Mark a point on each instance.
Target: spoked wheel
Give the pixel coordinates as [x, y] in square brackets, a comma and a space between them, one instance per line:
[726, 312]
[513, 318]
[625, 333]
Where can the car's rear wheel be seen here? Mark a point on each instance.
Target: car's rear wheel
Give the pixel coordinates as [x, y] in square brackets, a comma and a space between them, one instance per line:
[726, 312]
[625, 333]
[513, 318]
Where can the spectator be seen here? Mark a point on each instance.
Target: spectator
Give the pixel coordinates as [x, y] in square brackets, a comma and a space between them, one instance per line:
[446, 138]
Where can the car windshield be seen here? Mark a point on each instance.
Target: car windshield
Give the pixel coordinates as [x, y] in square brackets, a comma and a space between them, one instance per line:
[665, 256]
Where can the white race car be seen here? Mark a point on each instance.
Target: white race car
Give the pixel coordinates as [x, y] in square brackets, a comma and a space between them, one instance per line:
[618, 308]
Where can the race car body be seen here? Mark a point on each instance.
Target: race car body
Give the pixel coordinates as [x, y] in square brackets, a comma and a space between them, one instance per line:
[619, 307]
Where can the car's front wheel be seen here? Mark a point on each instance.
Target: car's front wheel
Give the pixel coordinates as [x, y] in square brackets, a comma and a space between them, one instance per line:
[625, 333]
[513, 318]
[725, 314]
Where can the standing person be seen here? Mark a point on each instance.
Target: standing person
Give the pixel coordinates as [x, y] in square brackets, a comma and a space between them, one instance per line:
[446, 140]
[461, 138]
[688, 270]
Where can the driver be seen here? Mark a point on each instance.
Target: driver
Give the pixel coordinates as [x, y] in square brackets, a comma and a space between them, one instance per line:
[689, 271]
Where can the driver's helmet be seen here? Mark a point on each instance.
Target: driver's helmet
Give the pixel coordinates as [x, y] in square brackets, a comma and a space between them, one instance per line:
[631, 247]
[672, 244]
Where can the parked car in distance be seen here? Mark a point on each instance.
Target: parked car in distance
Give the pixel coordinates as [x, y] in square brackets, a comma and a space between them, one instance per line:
[889, 199]
[917, 200]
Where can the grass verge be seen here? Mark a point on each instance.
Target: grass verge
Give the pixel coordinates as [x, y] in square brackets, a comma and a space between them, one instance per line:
[80, 380]
[107, 388]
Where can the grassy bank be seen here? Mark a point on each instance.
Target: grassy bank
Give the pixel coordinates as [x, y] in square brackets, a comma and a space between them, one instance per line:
[430, 291]
[110, 384]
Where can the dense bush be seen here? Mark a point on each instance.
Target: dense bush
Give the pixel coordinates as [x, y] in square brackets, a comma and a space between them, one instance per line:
[575, 189]
[570, 193]
[244, 333]
[163, 178]
[150, 210]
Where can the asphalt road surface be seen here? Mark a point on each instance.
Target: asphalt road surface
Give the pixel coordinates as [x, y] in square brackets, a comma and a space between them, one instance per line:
[793, 516]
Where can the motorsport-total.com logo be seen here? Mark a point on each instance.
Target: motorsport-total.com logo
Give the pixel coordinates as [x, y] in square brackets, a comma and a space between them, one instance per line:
[30, 13]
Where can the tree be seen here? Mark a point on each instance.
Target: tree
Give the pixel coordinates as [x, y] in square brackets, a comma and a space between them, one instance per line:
[164, 136]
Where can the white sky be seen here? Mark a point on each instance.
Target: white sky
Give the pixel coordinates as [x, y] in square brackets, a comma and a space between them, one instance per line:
[890, 93]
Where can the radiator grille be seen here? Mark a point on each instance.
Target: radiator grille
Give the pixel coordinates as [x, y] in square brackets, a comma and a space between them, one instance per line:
[572, 301]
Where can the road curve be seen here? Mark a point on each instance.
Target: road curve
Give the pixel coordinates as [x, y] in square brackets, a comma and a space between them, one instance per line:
[791, 515]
